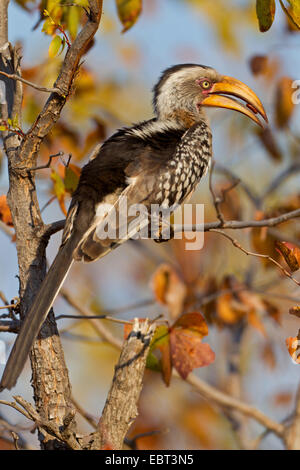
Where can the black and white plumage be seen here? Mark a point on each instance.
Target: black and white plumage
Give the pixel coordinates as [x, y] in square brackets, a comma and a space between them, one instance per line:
[159, 161]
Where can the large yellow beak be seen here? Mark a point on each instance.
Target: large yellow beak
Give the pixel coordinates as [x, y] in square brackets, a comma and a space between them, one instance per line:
[234, 87]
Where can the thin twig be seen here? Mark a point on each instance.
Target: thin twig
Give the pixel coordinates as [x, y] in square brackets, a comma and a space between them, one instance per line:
[227, 401]
[47, 165]
[14, 76]
[257, 255]
[97, 325]
[55, 227]
[94, 317]
[237, 224]
[87, 416]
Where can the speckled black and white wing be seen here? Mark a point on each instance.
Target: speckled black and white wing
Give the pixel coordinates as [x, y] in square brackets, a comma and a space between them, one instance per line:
[149, 180]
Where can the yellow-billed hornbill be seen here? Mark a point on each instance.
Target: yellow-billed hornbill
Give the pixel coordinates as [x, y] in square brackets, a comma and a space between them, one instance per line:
[159, 161]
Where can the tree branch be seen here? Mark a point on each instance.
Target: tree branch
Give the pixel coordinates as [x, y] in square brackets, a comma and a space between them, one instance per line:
[237, 224]
[52, 393]
[120, 409]
[224, 400]
[292, 434]
[13, 76]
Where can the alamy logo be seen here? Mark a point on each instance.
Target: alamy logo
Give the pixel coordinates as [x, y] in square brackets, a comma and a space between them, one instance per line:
[158, 222]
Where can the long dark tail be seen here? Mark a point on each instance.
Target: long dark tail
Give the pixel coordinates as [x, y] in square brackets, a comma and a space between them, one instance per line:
[38, 313]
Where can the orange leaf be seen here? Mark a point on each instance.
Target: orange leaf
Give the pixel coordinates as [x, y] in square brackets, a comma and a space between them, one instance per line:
[258, 64]
[169, 289]
[227, 311]
[59, 190]
[295, 311]
[187, 350]
[282, 398]
[291, 254]
[5, 214]
[255, 322]
[194, 322]
[292, 344]
[268, 356]
[284, 106]
[263, 242]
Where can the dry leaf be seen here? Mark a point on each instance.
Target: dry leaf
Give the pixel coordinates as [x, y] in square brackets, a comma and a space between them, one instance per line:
[295, 311]
[291, 254]
[284, 106]
[187, 350]
[5, 214]
[169, 289]
[293, 346]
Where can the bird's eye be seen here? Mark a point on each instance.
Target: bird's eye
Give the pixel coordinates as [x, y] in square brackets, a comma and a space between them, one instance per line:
[205, 84]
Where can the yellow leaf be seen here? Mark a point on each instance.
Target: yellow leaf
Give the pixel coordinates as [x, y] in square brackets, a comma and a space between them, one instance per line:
[128, 12]
[293, 11]
[54, 47]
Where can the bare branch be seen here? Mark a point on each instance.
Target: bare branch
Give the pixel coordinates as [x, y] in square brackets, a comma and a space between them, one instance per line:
[292, 434]
[97, 324]
[11, 326]
[14, 76]
[224, 400]
[257, 255]
[237, 224]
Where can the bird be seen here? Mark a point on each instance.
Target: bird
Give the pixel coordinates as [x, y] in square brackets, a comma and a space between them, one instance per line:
[157, 161]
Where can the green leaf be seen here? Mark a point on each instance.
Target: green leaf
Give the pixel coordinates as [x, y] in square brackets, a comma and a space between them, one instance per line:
[153, 363]
[265, 11]
[54, 47]
[72, 174]
[128, 12]
[160, 337]
[58, 186]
